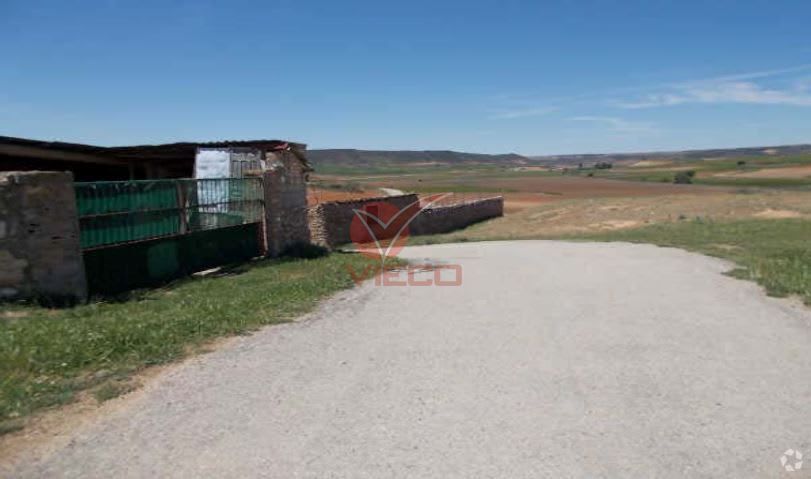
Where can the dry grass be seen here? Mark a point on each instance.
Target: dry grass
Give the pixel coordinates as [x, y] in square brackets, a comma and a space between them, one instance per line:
[320, 195]
[782, 172]
[595, 215]
[525, 191]
[649, 163]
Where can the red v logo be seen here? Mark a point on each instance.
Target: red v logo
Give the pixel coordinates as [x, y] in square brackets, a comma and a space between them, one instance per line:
[387, 228]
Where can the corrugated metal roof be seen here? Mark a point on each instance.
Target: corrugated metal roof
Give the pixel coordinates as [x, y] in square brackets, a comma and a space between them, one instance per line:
[170, 152]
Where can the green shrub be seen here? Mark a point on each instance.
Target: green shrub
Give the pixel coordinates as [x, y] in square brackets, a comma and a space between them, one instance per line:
[684, 177]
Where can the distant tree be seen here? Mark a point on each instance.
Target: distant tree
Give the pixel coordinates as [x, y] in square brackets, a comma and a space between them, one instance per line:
[580, 166]
[741, 162]
[604, 165]
[684, 177]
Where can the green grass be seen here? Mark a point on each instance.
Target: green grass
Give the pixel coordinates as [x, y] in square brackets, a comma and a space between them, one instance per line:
[667, 177]
[648, 176]
[705, 170]
[47, 356]
[775, 253]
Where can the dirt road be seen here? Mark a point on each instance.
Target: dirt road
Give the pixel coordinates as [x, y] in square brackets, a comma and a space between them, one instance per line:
[551, 360]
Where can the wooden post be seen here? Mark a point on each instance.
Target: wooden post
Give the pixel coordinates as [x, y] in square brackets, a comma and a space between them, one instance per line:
[182, 208]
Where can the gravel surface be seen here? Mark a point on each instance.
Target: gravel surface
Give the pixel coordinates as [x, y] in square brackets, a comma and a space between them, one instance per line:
[551, 360]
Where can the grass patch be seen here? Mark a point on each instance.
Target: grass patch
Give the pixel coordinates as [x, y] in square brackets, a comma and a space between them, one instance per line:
[47, 356]
[12, 425]
[706, 169]
[774, 253]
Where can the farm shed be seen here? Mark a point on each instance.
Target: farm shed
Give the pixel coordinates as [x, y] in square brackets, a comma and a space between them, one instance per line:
[97, 163]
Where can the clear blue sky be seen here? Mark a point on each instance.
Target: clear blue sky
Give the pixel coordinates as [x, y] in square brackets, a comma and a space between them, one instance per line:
[531, 77]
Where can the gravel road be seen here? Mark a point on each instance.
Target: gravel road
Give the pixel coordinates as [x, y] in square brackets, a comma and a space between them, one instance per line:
[551, 360]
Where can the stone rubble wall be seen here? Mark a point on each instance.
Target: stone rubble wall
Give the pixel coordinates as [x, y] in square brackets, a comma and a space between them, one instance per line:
[40, 257]
[286, 220]
[447, 218]
[330, 221]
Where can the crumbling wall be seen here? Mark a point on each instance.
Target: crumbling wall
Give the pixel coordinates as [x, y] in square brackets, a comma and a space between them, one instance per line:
[447, 218]
[329, 221]
[40, 257]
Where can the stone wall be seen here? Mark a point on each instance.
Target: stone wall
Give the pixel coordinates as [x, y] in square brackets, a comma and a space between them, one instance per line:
[447, 218]
[285, 184]
[40, 256]
[329, 221]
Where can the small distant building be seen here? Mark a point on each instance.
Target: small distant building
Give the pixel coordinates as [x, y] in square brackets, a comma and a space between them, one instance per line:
[173, 160]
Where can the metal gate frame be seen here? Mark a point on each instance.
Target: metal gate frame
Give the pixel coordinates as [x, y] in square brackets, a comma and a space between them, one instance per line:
[145, 232]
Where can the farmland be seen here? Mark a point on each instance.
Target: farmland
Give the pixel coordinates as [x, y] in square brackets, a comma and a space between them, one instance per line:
[753, 210]
[761, 171]
[527, 186]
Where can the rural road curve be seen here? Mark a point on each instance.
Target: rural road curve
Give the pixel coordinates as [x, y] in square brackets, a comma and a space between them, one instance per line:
[551, 360]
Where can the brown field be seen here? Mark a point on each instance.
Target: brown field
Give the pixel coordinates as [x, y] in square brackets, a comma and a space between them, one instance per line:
[548, 205]
[588, 215]
[648, 163]
[527, 191]
[566, 187]
[520, 192]
[319, 195]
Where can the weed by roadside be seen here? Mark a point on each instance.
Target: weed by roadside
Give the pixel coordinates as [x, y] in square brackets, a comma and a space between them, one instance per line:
[111, 390]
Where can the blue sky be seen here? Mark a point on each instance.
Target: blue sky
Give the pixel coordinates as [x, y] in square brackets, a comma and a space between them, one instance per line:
[529, 77]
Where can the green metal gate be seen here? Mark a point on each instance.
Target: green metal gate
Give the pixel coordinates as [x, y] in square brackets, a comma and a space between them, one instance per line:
[141, 233]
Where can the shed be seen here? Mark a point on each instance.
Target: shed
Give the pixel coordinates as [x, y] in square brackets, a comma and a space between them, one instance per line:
[95, 163]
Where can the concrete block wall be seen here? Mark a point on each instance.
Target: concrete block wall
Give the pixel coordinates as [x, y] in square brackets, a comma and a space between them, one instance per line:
[329, 221]
[40, 257]
[447, 218]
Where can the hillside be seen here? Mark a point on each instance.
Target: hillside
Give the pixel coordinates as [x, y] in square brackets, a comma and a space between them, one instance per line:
[346, 160]
[717, 153]
[339, 159]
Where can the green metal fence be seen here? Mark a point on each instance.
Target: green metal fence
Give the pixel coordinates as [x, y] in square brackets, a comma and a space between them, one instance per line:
[142, 233]
[116, 212]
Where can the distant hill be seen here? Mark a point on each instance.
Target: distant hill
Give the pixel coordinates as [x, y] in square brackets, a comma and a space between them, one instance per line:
[331, 159]
[785, 150]
[338, 159]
